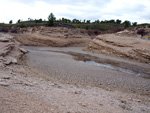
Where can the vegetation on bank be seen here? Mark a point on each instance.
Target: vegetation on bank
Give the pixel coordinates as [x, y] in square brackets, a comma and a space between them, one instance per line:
[106, 25]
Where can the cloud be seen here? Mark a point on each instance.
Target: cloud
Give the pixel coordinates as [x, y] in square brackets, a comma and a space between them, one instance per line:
[133, 10]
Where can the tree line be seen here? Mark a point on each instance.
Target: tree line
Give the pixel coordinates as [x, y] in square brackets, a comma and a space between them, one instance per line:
[52, 19]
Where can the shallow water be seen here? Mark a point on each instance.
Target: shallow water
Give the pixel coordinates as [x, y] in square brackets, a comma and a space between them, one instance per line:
[67, 65]
[116, 68]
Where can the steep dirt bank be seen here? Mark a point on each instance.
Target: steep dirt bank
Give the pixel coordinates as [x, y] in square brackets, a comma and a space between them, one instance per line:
[53, 36]
[124, 44]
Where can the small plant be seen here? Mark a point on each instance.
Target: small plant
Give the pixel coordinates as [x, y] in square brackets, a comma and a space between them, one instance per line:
[86, 27]
[79, 26]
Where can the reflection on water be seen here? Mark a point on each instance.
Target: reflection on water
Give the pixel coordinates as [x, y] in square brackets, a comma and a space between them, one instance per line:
[115, 68]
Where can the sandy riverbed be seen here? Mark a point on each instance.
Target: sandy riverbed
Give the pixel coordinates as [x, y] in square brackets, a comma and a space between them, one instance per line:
[58, 64]
[39, 84]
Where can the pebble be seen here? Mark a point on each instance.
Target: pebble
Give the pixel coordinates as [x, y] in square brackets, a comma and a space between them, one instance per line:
[4, 84]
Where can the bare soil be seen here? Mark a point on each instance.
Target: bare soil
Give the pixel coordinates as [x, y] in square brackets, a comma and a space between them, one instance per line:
[125, 44]
[27, 89]
[22, 90]
[53, 36]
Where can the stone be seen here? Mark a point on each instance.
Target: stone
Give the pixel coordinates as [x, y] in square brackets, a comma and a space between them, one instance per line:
[5, 48]
[23, 50]
[10, 60]
[6, 77]
[4, 84]
[3, 39]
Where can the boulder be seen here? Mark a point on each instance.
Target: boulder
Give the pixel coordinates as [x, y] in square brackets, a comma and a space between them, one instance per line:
[5, 48]
[10, 60]
[4, 39]
[23, 50]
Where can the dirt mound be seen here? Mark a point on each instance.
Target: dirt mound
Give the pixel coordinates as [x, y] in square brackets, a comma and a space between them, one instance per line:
[124, 44]
[53, 36]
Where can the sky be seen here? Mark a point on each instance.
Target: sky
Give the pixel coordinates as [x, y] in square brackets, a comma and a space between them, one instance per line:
[132, 10]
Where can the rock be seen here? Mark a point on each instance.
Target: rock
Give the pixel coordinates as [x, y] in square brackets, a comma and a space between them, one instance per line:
[10, 60]
[6, 77]
[5, 48]
[1, 58]
[23, 50]
[123, 101]
[4, 84]
[3, 39]
[77, 92]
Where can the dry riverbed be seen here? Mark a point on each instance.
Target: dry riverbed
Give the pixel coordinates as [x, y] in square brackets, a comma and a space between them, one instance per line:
[69, 80]
[23, 89]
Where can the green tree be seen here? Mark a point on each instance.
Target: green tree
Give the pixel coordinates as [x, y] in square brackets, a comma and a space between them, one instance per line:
[118, 21]
[10, 22]
[88, 21]
[127, 24]
[51, 19]
[134, 23]
[19, 21]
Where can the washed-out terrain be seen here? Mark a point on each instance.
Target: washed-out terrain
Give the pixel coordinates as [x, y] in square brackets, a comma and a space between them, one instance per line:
[65, 70]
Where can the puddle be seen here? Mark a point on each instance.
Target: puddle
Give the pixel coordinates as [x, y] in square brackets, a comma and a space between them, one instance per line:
[116, 68]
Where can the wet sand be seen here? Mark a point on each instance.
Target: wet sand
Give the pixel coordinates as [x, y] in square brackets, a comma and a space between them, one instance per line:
[57, 64]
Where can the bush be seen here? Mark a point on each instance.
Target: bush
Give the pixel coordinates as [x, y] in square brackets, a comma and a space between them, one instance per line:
[4, 29]
[86, 27]
[14, 30]
[141, 31]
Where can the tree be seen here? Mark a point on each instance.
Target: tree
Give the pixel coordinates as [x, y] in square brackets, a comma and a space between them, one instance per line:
[10, 22]
[118, 21]
[127, 24]
[88, 21]
[51, 19]
[30, 19]
[111, 21]
[84, 21]
[134, 23]
[97, 21]
[19, 21]
[38, 21]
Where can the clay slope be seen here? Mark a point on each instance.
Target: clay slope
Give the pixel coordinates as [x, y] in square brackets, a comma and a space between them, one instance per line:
[122, 44]
[53, 36]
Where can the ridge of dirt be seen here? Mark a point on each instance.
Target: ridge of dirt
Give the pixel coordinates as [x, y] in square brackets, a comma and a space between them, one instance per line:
[131, 47]
[53, 36]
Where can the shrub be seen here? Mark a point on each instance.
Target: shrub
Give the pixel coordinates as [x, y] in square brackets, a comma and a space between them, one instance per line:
[86, 27]
[4, 29]
[141, 31]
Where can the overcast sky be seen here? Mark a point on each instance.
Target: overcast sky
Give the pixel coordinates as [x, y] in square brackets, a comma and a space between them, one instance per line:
[133, 10]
